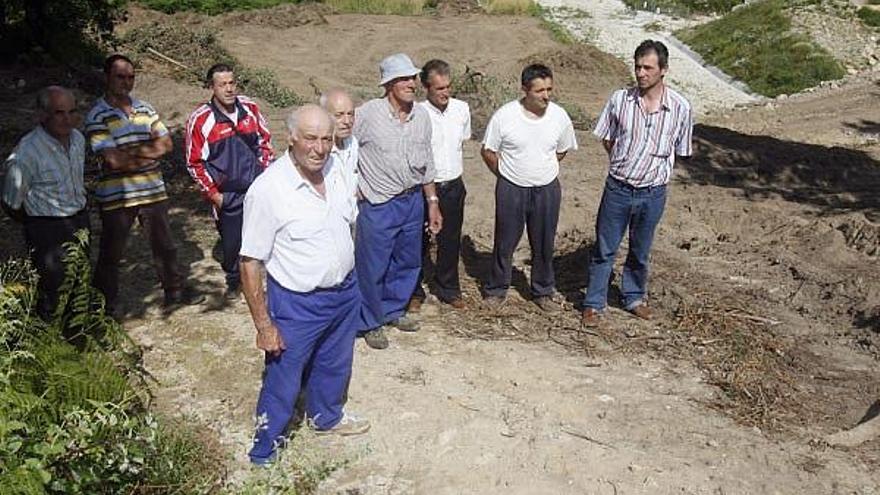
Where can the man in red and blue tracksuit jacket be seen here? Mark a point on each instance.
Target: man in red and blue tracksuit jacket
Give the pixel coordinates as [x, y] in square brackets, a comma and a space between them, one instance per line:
[227, 146]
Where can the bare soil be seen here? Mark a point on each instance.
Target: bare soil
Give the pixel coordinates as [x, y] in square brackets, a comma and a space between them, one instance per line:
[765, 273]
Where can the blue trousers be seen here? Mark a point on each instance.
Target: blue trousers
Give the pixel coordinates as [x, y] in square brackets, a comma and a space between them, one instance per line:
[229, 222]
[622, 207]
[319, 329]
[388, 256]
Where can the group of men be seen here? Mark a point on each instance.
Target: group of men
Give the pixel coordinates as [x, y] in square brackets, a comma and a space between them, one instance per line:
[326, 241]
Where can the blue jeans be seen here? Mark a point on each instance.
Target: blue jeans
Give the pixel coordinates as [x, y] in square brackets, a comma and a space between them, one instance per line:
[624, 206]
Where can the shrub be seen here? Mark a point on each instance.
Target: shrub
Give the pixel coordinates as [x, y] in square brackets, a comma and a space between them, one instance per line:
[869, 16]
[755, 44]
[211, 7]
[73, 398]
[511, 7]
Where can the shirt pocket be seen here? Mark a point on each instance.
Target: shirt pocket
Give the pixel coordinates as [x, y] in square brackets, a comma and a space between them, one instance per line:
[303, 229]
[664, 145]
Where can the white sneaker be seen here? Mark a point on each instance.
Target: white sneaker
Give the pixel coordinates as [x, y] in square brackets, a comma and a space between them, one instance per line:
[349, 425]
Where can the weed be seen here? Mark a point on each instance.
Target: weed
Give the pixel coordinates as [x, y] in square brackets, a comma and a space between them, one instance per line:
[869, 16]
[756, 45]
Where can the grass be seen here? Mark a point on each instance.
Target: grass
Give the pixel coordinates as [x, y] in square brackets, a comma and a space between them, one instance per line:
[870, 16]
[384, 7]
[684, 7]
[211, 7]
[512, 7]
[756, 45]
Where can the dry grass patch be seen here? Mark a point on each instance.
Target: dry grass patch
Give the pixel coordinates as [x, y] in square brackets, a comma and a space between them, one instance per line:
[511, 7]
[383, 7]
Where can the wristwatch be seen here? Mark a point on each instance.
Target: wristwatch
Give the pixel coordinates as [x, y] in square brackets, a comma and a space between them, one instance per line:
[433, 199]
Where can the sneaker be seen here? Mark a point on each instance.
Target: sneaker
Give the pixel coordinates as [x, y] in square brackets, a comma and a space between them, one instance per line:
[183, 297]
[591, 318]
[547, 304]
[376, 338]
[415, 305]
[405, 324]
[349, 425]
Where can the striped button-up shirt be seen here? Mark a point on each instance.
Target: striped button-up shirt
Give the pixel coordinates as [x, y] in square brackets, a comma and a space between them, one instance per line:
[109, 127]
[44, 177]
[645, 144]
[393, 156]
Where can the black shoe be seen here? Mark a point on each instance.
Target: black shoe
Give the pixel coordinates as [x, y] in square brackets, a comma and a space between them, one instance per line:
[232, 294]
[183, 297]
[376, 338]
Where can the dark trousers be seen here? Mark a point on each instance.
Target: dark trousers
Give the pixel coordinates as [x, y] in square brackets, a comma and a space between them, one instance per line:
[537, 209]
[623, 208]
[45, 238]
[229, 221]
[452, 194]
[116, 226]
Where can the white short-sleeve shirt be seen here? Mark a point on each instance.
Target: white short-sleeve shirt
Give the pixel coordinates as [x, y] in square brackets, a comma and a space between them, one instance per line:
[303, 239]
[450, 128]
[527, 147]
[347, 159]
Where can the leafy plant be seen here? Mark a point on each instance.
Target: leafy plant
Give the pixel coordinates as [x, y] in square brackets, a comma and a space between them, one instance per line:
[869, 16]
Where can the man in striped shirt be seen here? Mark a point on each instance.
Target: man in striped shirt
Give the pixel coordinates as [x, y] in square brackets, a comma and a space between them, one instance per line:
[227, 146]
[130, 139]
[642, 128]
[44, 188]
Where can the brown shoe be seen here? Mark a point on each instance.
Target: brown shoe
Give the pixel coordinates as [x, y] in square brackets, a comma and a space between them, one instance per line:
[642, 311]
[591, 318]
[547, 304]
[494, 301]
[414, 306]
[457, 303]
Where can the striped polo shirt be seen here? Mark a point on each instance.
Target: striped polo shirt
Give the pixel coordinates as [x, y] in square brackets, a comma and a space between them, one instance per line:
[44, 177]
[109, 127]
[645, 144]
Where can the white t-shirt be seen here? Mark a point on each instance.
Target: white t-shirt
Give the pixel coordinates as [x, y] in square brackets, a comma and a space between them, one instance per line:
[347, 159]
[527, 147]
[304, 239]
[449, 129]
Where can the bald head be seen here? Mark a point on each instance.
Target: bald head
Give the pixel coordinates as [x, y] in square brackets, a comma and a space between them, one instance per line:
[311, 137]
[57, 111]
[341, 107]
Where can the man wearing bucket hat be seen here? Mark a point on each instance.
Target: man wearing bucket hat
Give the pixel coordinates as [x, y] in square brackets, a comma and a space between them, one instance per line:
[395, 170]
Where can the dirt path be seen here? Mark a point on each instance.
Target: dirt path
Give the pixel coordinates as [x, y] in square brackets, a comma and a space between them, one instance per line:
[614, 29]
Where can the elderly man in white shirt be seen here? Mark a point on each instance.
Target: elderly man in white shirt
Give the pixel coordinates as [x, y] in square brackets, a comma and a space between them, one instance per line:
[297, 224]
[450, 128]
[44, 189]
[524, 143]
[344, 154]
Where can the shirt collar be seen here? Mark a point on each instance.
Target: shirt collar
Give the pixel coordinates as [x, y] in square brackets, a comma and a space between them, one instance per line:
[298, 180]
[633, 95]
[346, 145]
[430, 107]
[393, 113]
[51, 140]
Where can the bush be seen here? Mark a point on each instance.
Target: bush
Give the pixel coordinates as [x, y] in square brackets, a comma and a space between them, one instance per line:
[869, 16]
[73, 398]
[755, 44]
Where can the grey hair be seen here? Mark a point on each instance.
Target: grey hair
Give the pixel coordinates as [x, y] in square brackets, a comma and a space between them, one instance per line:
[294, 117]
[44, 94]
[325, 97]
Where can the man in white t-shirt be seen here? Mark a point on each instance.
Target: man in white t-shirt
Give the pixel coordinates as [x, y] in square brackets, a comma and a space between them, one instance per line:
[523, 145]
[450, 127]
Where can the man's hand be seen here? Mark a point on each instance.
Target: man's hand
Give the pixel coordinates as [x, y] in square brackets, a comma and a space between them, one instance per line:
[435, 218]
[269, 340]
[216, 199]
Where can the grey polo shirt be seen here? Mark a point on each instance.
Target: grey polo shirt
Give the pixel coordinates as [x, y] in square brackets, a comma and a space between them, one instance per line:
[393, 156]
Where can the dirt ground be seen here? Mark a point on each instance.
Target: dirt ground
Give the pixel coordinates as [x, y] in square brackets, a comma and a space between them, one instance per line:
[765, 272]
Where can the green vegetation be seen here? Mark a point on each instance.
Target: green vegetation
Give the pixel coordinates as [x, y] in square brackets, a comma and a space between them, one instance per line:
[74, 414]
[756, 45]
[68, 30]
[870, 16]
[558, 32]
[684, 7]
[512, 7]
[211, 7]
[196, 51]
[385, 7]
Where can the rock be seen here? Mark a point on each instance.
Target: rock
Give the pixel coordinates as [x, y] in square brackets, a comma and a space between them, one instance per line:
[852, 71]
[783, 96]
